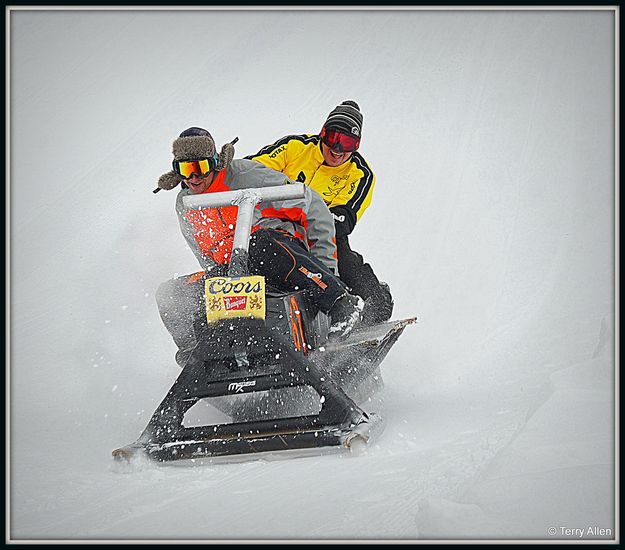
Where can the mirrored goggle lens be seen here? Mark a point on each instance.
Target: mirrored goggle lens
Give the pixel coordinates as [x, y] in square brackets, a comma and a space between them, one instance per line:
[341, 142]
[186, 168]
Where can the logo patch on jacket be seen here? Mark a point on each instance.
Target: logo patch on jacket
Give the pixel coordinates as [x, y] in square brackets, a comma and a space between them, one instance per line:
[277, 152]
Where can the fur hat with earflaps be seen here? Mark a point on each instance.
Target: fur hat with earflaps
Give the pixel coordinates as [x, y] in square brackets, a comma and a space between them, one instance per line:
[195, 143]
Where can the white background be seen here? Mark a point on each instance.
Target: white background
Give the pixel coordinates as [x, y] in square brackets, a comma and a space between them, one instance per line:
[493, 220]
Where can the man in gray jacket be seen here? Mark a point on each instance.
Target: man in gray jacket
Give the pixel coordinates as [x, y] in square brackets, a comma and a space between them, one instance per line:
[291, 240]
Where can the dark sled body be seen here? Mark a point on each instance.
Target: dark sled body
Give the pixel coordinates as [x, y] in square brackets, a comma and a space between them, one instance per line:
[269, 368]
[283, 384]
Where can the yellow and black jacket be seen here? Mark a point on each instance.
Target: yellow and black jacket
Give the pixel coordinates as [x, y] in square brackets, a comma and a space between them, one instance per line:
[346, 189]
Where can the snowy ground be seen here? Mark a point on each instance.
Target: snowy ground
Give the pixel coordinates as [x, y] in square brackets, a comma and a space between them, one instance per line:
[492, 137]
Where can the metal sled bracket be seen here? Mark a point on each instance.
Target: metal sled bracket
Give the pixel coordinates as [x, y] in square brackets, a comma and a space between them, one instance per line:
[371, 336]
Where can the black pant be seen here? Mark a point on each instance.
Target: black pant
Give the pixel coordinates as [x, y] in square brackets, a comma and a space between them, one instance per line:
[281, 258]
[286, 265]
[361, 280]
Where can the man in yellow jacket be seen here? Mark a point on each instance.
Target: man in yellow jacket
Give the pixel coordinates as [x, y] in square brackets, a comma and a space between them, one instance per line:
[330, 164]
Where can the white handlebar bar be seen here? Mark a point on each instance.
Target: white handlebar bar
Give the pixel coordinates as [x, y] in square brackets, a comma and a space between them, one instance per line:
[259, 194]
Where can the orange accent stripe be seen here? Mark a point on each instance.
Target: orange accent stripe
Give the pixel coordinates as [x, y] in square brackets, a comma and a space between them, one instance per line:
[296, 326]
[301, 331]
[293, 257]
[313, 278]
[194, 277]
[296, 340]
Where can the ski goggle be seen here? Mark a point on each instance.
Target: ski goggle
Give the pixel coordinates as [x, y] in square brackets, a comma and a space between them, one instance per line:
[200, 167]
[337, 141]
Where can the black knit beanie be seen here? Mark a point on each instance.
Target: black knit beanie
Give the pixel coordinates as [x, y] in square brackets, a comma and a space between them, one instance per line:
[346, 118]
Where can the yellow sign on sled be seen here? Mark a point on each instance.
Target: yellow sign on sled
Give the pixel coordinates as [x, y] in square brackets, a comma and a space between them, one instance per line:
[229, 297]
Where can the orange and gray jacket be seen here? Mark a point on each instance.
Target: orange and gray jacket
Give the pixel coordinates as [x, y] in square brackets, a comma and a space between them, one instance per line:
[210, 231]
[346, 189]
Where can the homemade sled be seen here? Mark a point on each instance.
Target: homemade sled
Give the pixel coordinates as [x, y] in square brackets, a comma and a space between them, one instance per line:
[265, 359]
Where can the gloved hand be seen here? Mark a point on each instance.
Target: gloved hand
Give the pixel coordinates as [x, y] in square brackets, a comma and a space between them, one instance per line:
[343, 221]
